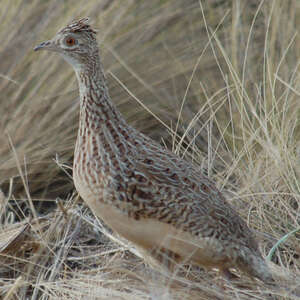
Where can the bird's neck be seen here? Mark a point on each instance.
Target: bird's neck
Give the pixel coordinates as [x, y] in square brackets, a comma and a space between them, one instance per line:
[103, 133]
[96, 108]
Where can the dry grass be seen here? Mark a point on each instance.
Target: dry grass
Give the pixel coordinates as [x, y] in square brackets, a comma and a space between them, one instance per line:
[223, 76]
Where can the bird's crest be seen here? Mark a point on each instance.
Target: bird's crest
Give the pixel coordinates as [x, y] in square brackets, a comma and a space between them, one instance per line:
[81, 25]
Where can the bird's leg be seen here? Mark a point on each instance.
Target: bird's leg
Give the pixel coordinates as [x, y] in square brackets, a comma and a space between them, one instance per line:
[166, 258]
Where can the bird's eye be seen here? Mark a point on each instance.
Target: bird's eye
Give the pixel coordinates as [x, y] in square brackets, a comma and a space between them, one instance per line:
[70, 41]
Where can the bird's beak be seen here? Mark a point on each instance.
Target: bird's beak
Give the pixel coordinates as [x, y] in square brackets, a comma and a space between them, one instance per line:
[48, 45]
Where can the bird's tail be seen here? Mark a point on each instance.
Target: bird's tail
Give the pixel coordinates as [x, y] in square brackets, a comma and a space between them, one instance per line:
[255, 266]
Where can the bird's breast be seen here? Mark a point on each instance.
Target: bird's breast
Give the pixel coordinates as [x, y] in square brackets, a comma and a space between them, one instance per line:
[88, 170]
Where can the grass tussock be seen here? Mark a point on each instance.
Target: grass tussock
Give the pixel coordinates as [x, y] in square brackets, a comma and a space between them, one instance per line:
[222, 78]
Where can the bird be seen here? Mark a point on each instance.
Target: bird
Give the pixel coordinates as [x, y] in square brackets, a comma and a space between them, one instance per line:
[144, 192]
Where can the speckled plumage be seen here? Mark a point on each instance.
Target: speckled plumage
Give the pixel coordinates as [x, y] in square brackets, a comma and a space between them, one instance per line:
[144, 192]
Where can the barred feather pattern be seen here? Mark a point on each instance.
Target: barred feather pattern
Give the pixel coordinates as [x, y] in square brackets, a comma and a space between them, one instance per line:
[119, 166]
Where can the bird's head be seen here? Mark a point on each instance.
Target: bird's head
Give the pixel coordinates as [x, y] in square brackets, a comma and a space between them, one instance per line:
[76, 43]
